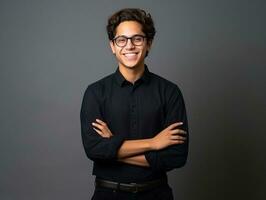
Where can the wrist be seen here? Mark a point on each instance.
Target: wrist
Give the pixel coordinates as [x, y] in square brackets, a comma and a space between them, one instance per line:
[151, 144]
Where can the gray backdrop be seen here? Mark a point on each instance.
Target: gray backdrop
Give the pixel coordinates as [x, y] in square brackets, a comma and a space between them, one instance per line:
[51, 50]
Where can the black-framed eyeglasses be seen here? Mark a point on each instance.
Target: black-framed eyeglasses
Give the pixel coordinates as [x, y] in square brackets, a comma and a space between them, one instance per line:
[136, 40]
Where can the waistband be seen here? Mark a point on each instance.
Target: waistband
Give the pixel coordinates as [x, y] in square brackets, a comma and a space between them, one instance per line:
[130, 187]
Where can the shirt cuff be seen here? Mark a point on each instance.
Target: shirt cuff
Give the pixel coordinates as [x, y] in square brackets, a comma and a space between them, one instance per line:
[116, 142]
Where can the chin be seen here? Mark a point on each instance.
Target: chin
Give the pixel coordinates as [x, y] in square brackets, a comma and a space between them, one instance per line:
[132, 66]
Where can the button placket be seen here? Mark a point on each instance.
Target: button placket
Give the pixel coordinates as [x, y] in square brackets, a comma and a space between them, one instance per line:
[133, 113]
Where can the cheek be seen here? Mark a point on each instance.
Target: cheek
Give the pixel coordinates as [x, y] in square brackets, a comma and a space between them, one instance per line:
[144, 51]
[116, 51]
[119, 53]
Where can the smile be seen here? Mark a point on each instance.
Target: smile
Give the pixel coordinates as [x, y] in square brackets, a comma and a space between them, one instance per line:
[131, 54]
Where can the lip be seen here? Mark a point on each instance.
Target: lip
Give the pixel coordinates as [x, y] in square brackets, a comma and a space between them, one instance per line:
[130, 53]
[131, 56]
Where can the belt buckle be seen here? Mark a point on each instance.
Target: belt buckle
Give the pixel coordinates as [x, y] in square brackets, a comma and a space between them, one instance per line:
[135, 187]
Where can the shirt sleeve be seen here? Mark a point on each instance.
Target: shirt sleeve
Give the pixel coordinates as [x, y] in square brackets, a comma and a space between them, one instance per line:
[174, 156]
[96, 147]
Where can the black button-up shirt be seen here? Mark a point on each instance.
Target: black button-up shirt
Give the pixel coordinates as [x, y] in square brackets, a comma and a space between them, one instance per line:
[132, 111]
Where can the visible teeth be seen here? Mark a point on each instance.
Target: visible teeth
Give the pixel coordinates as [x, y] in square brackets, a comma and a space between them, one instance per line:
[130, 53]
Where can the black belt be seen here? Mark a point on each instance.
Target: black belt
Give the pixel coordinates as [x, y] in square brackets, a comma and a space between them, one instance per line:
[130, 187]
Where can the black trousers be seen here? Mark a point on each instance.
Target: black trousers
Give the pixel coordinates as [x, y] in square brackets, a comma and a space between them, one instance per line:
[160, 193]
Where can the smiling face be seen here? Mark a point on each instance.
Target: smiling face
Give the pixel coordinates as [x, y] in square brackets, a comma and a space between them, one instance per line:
[130, 56]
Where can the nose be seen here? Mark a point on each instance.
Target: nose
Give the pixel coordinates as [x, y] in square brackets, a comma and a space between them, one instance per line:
[129, 44]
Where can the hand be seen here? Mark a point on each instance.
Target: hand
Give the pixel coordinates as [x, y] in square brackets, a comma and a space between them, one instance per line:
[169, 136]
[102, 129]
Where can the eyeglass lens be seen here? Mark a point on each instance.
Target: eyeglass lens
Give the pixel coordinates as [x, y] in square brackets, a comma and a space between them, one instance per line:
[136, 40]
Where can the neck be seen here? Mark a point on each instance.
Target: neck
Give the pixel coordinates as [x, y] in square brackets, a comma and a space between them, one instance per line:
[132, 74]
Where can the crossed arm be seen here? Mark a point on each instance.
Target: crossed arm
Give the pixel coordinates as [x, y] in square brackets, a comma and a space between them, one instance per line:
[132, 151]
[164, 152]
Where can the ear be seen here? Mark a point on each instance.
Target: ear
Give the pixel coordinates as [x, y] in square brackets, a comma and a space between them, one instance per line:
[149, 44]
[112, 46]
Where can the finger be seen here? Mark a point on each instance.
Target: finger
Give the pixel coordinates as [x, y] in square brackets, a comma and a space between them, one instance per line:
[110, 132]
[178, 131]
[177, 137]
[102, 134]
[178, 141]
[97, 125]
[104, 129]
[106, 132]
[175, 125]
[99, 132]
[101, 122]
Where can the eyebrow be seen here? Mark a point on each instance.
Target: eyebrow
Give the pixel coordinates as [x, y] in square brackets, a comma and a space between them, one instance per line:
[129, 36]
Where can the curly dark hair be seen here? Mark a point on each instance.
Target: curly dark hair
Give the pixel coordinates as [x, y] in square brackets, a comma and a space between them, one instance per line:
[131, 14]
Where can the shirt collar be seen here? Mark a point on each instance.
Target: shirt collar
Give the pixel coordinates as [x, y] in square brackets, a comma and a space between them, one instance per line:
[120, 79]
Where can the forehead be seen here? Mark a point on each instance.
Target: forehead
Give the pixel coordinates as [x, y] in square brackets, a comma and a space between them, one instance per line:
[129, 28]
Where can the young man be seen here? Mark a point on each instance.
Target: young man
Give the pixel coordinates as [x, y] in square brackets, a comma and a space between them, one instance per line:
[134, 124]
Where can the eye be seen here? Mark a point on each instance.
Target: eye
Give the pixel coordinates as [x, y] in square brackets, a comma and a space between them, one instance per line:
[137, 38]
[121, 40]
